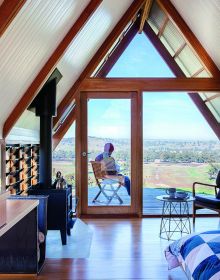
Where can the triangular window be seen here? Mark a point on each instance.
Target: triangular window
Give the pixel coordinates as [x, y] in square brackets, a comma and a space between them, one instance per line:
[140, 59]
[183, 120]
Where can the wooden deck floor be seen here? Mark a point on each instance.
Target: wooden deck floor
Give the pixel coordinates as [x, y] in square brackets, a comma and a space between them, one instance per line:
[151, 206]
[122, 249]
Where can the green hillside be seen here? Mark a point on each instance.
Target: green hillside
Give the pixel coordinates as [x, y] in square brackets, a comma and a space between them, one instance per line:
[165, 162]
[162, 150]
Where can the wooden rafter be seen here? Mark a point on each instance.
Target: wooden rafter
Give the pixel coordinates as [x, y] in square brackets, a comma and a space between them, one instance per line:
[103, 72]
[92, 65]
[161, 30]
[196, 98]
[178, 21]
[8, 11]
[151, 84]
[198, 72]
[212, 97]
[49, 66]
[180, 50]
[145, 13]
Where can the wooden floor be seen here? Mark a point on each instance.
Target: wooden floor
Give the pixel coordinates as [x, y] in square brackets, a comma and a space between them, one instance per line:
[121, 249]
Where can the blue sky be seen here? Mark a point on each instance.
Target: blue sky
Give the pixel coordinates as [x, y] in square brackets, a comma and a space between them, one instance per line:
[165, 115]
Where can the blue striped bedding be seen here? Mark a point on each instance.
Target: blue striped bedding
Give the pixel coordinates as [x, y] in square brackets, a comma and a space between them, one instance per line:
[198, 254]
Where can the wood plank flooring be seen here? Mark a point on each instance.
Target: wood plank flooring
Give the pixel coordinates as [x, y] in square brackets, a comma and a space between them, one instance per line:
[121, 249]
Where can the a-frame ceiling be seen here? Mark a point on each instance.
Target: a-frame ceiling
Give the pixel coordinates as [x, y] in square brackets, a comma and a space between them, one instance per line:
[37, 31]
[112, 57]
[125, 20]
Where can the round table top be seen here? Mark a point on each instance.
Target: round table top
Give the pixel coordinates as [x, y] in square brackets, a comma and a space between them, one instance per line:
[174, 199]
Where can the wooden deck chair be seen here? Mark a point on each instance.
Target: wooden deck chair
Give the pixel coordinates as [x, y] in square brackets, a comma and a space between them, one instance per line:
[108, 184]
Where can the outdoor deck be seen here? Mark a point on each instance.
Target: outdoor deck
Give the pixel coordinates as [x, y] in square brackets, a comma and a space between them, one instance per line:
[150, 203]
[151, 206]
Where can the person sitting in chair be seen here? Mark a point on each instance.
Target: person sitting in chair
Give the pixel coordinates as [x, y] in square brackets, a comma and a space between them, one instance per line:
[110, 166]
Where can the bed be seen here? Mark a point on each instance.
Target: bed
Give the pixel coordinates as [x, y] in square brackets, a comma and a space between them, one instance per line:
[198, 254]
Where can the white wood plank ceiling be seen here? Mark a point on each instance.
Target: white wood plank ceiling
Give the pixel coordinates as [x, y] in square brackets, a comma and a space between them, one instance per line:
[203, 18]
[41, 24]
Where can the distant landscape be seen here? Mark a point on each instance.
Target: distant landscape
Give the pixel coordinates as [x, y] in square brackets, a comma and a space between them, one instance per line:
[166, 163]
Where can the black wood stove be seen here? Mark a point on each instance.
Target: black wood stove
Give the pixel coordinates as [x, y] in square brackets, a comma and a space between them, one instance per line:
[59, 201]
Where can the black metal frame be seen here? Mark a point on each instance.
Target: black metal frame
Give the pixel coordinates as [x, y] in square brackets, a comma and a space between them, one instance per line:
[175, 218]
[199, 205]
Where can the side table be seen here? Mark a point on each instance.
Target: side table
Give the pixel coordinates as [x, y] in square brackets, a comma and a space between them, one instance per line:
[175, 216]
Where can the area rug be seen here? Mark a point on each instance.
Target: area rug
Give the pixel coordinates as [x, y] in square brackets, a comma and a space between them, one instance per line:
[78, 244]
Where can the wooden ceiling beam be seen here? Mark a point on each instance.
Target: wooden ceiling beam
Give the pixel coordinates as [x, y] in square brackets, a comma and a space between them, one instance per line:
[8, 11]
[49, 66]
[100, 54]
[191, 39]
[145, 13]
[174, 67]
[151, 84]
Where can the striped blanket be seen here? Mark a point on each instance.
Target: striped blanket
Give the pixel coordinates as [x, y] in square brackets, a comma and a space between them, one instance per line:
[198, 254]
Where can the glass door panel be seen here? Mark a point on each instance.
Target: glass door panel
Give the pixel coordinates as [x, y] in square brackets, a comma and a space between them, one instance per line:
[109, 152]
[179, 148]
[109, 145]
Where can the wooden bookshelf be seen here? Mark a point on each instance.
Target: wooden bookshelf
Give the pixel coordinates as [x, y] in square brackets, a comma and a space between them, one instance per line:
[22, 167]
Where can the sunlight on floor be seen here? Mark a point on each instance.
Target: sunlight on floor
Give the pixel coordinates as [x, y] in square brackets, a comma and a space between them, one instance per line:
[125, 247]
